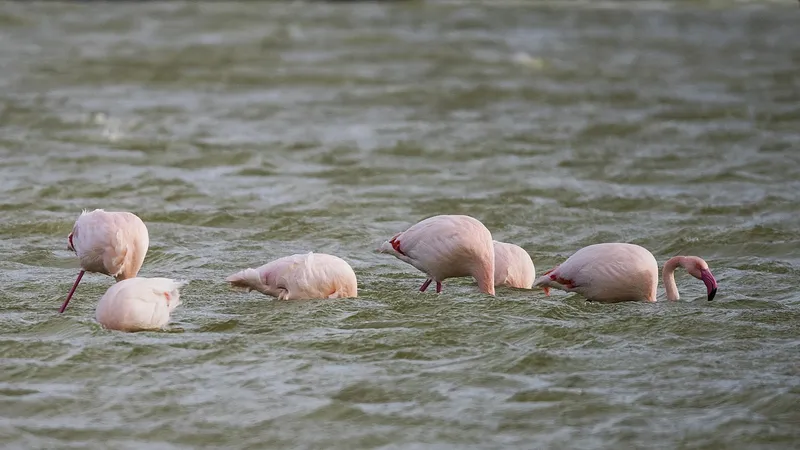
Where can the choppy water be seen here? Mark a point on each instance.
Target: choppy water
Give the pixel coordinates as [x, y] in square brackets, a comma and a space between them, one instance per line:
[245, 132]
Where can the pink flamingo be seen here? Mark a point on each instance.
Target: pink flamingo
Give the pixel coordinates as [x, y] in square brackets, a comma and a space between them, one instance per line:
[111, 243]
[300, 277]
[618, 272]
[447, 246]
[137, 304]
[513, 266]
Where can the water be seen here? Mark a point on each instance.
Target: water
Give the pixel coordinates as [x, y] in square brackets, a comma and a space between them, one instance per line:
[245, 132]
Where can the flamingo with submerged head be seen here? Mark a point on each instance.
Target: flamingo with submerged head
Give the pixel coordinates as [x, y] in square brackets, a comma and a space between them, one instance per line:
[138, 304]
[513, 266]
[446, 246]
[111, 243]
[300, 277]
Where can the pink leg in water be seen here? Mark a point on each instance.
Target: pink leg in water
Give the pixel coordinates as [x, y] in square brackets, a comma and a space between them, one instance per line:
[438, 287]
[425, 285]
[72, 291]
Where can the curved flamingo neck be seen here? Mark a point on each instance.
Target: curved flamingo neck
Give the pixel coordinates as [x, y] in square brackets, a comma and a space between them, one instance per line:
[485, 276]
[668, 276]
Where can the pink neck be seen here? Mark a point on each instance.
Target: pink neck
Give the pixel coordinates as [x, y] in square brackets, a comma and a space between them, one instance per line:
[132, 262]
[485, 276]
[668, 277]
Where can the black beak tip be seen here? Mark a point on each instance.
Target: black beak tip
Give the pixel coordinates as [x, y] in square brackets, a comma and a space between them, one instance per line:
[712, 294]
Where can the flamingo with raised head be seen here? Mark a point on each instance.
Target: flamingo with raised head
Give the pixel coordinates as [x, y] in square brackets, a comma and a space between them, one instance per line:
[618, 272]
[447, 246]
[137, 304]
[300, 277]
[111, 243]
[513, 266]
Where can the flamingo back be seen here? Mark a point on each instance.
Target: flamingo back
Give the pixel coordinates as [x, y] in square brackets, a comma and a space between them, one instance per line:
[139, 303]
[513, 266]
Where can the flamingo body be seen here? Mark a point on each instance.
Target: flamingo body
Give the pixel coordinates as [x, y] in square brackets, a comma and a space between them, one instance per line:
[447, 246]
[137, 304]
[610, 272]
[618, 272]
[300, 277]
[513, 266]
[110, 243]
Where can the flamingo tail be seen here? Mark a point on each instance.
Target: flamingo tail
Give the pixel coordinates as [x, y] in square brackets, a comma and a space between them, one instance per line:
[247, 278]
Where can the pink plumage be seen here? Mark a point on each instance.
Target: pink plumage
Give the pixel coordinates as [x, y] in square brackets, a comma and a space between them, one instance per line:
[447, 246]
[137, 304]
[618, 272]
[513, 266]
[300, 277]
[111, 243]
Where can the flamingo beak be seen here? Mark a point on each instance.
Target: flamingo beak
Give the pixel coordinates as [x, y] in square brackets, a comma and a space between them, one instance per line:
[710, 282]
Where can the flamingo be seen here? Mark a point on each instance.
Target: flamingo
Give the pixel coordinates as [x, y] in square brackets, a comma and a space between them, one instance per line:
[513, 266]
[138, 303]
[446, 246]
[618, 272]
[300, 277]
[111, 243]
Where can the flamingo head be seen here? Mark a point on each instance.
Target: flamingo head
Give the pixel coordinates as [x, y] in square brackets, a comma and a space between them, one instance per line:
[69, 243]
[699, 269]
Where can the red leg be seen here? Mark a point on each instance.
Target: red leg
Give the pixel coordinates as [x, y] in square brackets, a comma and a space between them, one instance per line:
[546, 289]
[562, 281]
[438, 287]
[425, 285]
[71, 291]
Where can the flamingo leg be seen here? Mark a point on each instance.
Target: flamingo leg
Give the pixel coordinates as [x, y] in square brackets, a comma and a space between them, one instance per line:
[546, 289]
[72, 291]
[438, 287]
[425, 285]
